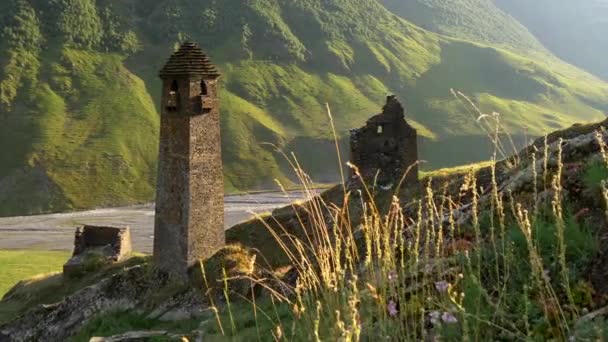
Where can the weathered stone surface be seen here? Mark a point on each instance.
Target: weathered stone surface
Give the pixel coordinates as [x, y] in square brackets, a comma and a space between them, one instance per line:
[190, 59]
[140, 336]
[57, 322]
[98, 245]
[387, 145]
[135, 288]
[190, 190]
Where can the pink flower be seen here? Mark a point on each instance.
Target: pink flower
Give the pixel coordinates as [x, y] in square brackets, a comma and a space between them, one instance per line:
[442, 286]
[449, 318]
[392, 308]
[434, 317]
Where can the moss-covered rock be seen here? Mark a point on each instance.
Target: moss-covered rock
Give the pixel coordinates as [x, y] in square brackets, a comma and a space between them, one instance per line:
[232, 269]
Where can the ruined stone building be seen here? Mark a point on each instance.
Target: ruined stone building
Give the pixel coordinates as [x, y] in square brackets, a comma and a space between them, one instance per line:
[107, 244]
[189, 223]
[386, 146]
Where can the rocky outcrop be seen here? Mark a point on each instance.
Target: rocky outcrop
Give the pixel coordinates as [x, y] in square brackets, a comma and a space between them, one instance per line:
[135, 287]
[138, 336]
[142, 289]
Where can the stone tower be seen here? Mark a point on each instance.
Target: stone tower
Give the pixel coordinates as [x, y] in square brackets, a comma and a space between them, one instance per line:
[386, 146]
[189, 223]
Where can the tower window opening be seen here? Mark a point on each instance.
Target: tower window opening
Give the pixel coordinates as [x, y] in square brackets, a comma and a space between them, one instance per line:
[204, 89]
[173, 99]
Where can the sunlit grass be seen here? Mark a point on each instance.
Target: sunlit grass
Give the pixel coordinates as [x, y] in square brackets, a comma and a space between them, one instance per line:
[507, 267]
[450, 171]
[16, 265]
[408, 264]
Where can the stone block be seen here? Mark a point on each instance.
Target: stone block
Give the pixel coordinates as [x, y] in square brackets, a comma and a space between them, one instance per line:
[95, 247]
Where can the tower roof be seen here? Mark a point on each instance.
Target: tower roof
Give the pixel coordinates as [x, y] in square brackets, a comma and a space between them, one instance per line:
[189, 60]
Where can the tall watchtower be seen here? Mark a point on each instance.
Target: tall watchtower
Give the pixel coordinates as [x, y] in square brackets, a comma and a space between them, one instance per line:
[189, 223]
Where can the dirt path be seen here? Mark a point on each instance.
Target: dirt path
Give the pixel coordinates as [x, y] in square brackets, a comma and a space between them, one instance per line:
[56, 231]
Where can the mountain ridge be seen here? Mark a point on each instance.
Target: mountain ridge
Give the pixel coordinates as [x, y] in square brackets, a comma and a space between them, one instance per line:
[480, 21]
[574, 31]
[79, 90]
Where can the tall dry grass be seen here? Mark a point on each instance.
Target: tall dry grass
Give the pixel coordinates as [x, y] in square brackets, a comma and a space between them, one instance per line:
[433, 271]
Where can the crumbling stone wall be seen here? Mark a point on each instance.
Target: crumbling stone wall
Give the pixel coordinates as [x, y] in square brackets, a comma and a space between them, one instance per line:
[119, 239]
[104, 245]
[386, 146]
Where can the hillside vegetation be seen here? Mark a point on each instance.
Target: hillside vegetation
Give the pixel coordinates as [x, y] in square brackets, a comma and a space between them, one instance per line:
[573, 30]
[17, 265]
[78, 89]
[511, 250]
[481, 21]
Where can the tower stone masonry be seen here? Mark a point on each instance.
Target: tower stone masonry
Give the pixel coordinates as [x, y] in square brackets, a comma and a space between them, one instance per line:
[189, 222]
[386, 147]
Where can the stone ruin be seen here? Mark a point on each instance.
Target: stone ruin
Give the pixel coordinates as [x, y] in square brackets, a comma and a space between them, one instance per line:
[189, 221]
[386, 147]
[95, 245]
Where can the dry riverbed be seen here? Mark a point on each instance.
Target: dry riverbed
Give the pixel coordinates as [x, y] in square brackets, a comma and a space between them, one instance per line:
[56, 231]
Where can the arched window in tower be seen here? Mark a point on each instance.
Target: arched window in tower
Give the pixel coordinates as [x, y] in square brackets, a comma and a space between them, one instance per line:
[204, 88]
[173, 98]
[205, 104]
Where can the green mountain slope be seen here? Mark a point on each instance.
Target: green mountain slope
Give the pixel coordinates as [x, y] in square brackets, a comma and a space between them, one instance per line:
[575, 31]
[78, 90]
[480, 21]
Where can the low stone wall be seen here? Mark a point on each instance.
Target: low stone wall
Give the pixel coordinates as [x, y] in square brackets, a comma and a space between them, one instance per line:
[98, 245]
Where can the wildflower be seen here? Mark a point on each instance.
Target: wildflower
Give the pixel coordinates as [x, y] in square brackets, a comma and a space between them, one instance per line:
[434, 317]
[393, 276]
[547, 275]
[392, 308]
[442, 286]
[449, 318]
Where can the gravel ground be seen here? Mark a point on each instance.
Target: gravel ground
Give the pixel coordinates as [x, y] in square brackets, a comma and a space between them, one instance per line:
[56, 231]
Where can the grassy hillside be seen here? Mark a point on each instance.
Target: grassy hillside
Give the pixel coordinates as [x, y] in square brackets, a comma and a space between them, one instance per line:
[573, 30]
[19, 265]
[78, 90]
[508, 250]
[476, 20]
